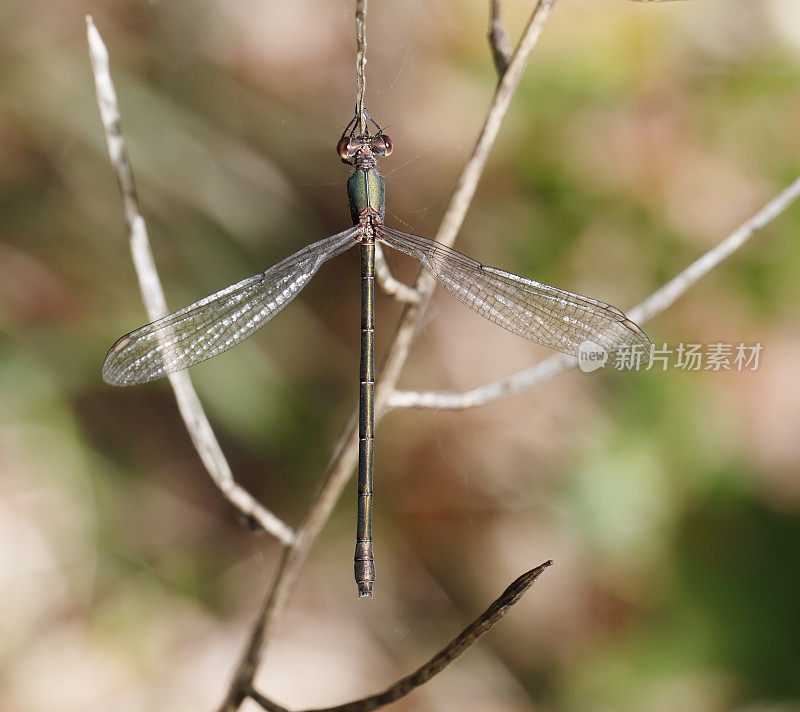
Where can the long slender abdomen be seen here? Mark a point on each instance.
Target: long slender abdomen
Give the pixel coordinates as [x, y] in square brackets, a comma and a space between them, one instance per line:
[364, 565]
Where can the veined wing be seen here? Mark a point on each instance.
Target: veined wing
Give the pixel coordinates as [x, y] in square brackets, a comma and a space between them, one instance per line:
[541, 313]
[220, 321]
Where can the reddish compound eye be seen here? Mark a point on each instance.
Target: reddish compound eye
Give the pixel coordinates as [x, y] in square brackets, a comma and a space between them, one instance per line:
[382, 145]
[343, 148]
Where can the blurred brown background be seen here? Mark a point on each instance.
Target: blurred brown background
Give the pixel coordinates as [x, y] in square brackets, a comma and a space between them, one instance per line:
[641, 135]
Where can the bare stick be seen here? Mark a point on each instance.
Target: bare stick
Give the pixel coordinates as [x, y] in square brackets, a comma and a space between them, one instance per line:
[390, 285]
[345, 454]
[481, 625]
[487, 393]
[203, 438]
[678, 285]
[656, 303]
[265, 702]
[361, 62]
[498, 42]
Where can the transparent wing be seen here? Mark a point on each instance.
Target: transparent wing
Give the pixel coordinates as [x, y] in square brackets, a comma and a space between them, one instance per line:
[549, 316]
[218, 322]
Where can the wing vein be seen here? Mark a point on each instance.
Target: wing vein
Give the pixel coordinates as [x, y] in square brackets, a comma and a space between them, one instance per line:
[219, 321]
[538, 312]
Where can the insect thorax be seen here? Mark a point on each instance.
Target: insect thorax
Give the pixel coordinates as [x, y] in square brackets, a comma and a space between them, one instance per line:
[366, 190]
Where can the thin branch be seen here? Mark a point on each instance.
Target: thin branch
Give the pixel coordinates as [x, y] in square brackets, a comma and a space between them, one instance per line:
[498, 42]
[361, 62]
[390, 285]
[481, 625]
[656, 303]
[345, 454]
[672, 290]
[265, 702]
[203, 438]
[487, 393]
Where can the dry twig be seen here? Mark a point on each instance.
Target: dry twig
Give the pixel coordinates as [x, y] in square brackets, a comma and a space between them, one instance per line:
[194, 417]
[361, 63]
[482, 624]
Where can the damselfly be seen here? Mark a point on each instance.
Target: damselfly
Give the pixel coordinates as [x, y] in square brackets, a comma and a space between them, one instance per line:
[543, 314]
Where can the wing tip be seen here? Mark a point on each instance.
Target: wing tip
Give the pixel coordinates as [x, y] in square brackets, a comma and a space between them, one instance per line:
[637, 331]
[111, 375]
[625, 340]
[109, 372]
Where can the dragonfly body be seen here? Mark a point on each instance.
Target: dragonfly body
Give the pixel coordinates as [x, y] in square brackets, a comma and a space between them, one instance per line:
[366, 192]
[562, 320]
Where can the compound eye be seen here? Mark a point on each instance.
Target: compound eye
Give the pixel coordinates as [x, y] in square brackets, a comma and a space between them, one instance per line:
[343, 148]
[382, 145]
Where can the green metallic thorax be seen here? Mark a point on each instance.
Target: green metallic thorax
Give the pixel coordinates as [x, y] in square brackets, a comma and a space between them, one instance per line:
[366, 190]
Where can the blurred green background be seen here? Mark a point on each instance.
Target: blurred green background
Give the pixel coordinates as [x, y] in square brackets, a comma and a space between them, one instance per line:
[641, 135]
